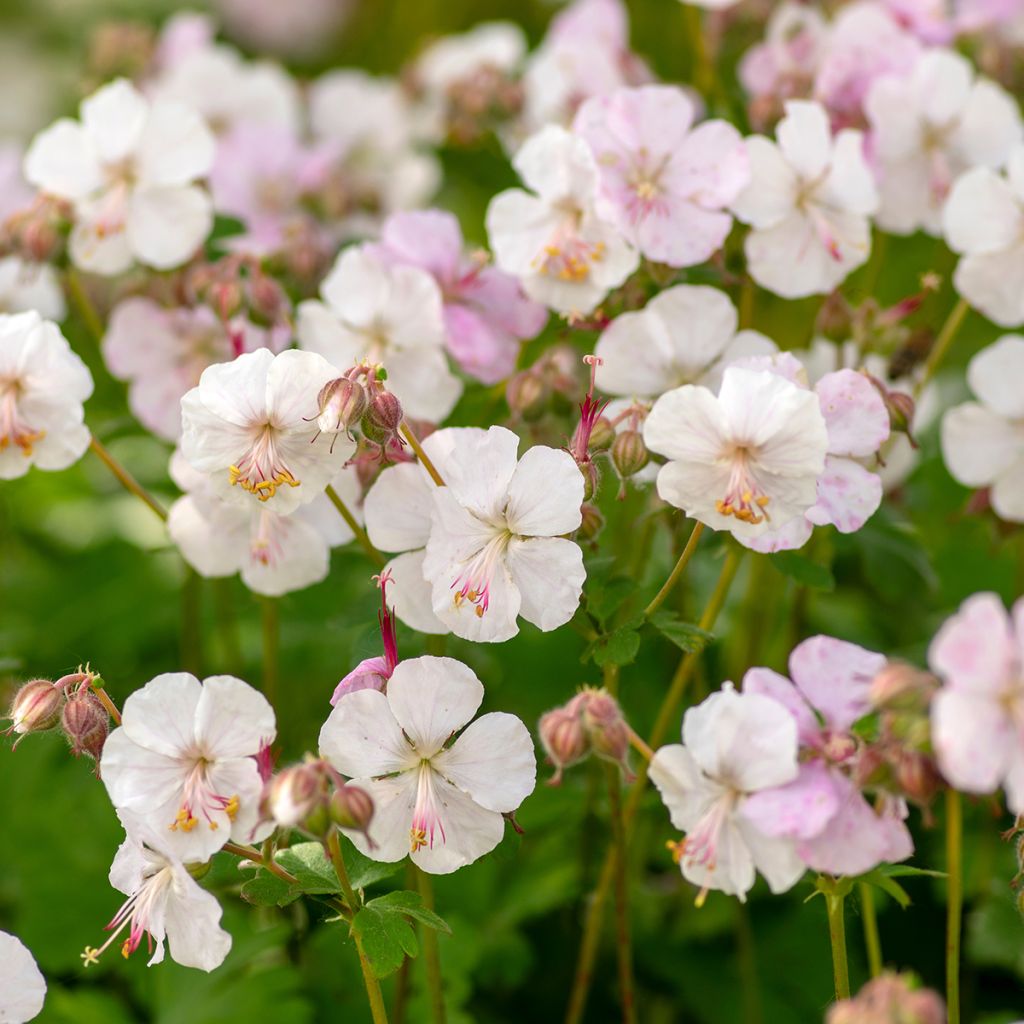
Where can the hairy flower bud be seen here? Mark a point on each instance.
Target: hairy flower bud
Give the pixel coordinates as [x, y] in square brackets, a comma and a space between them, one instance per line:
[629, 453]
[890, 999]
[86, 724]
[564, 739]
[526, 394]
[592, 523]
[902, 687]
[342, 403]
[602, 436]
[36, 707]
[382, 418]
[267, 299]
[605, 726]
[918, 776]
[351, 807]
[297, 797]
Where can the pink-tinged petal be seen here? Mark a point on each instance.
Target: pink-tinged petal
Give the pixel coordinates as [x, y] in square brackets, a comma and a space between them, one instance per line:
[712, 166]
[848, 495]
[430, 239]
[771, 684]
[835, 677]
[232, 719]
[431, 698]
[975, 649]
[1014, 781]
[974, 739]
[161, 716]
[793, 535]
[499, 297]
[799, 810]
[393, 803]
[544, 494]
[682, 234]
[361, 737]
[854, 412]
[497, 624]
[549, 574]
[369, 674]
[481, 349]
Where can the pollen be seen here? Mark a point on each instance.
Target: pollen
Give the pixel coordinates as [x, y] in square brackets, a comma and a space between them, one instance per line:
[185, 820]
[417, 839]
[262, 489]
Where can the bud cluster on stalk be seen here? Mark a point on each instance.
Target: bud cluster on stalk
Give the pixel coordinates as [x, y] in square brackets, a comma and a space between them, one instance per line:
[890, 999]
[237, 286]
[38, 233]
[591, 723]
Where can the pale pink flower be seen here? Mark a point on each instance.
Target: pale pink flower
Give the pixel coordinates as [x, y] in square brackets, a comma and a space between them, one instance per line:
[22, 985]
[734, 744]
[747, 460]
[554, 239]
[808, 204]
[183, 760]
[440, 802]
[784, 65]
[486, 314]
[983, 441]
[664, 183]
[129, 167]
[835, 828]
[43, 384]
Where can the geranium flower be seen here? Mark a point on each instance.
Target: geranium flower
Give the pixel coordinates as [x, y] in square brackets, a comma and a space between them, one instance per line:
[835, 828]
[184, 760]
[42, 387]
[128, 166]
[978, 715]
[22, 986]
[28, 286]
[746, 461]
[734, 744]
[441, 804]
[808, 204]
[783, 66]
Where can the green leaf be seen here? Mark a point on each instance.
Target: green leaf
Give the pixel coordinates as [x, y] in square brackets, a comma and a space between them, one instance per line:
[803, 570]
[362, 871]
[311, 868]
[909, 871]
[267, 890]
[891, 888]
[685, 635]
[410, 904]
[618, 648]
[387, 938]
[604, 599]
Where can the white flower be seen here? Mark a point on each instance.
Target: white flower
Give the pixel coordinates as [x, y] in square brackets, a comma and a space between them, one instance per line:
[164, 902]
[28, 286]
[390, 315]
[496, 549]
[441, 804]
[128, 166]
[491, 45]
[684, 335]
[183, 760]
[930, 127]
[983, 441]
[22, 986]
[250, 427]
[42, 387]
[734, 744]
[808, 204]
[984, 221]
[747, 460]
[564, 254]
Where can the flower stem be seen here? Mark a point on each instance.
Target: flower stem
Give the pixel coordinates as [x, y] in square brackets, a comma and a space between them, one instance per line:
[837, 935]
[103, 697]
[871, 938]
[746, 957]
[82, 302]
[680, 568]
[595, 911]
[191, 623]
[623, 944]
[414, 443]
[373, 992]
[271, 865]
[431, 952]
[350, 520]
[126, 479]
[942, 344]
[703, 72]
[271, 625]
[955, 899]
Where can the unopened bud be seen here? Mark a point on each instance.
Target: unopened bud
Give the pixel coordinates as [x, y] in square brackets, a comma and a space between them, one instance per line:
[871, 768]
[629, 453]
[564, 739]
[342, 403]
[592, 522]
[839, 747]
[890, 999]
[527, 395]
[351, 807]
[902, 687]
[605, 726]
[602, 434]
[297, 796]
[380, 423]
[267, 298]
[591, 478]
[36, 707]
[835, 318]
[226, 298]
[86, 724]
[918, 777]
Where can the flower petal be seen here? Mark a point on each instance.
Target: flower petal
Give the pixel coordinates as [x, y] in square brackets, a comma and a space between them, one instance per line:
[166, 226]
[975, 649]
[545, 494]
[994, 375]
[798, 810]
[854, 412]
[361, 737]
[835, 677]
[232, 719]
[161, 716]
[470, 831]
[549, 575]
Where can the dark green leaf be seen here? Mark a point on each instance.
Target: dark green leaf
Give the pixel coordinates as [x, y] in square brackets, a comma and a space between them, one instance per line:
[888, 886]
[267, 890]
[801, 569]
[605, 599]
[685, 635]
[387, 939]
[361, 870]
[409, 903]
[309, 864]
[618, 648]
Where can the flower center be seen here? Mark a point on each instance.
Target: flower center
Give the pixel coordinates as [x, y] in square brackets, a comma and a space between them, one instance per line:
[744, 497]
[426, 815]
[699, 848]
[135, 914]
[262, 469]
[567, 256]
[199, 800]
[13, 427]
[473, 583]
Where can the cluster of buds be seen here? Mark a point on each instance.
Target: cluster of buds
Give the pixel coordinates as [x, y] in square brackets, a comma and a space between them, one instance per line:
[890, 999]
[236, 286]
[70, 704]
[312, 797]
[549, 385]
[119, 49]
[591, 723]
[37, 233]
[478, 103]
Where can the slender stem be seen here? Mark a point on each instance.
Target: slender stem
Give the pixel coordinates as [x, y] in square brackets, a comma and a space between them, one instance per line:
[271, 625]
[191, 623]
[350, 520]
[271, 865]
[403, 981]
[703, 72]
[104, 698]
[623, 943]
[942, 344]
[748, 296]
[595, 911]
[746, 956]
[639, 745]
[126, 479]
[373, 992]
[955, 899]
[431, 952]
[414, 443]
[610, 679]
[871, 937]
[680, 568]
[837, 936]
[82, 302]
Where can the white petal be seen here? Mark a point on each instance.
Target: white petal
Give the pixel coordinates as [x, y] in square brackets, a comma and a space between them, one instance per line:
[194, 935]
[549, 575]
[995, 373]
[22, 986]
[470, 831]
[480, 468]
[397, 508]
[974, 740]
[233, 719]
[981, 214]
[211, 536]
[772, 193]
[167, 225]
[978, 445]
[557, 165]
[161, 716]
[114, 117]
[63, 161]
[413, 595]
[99, 251]
[687, 423]
[993, 282]
[684, 790]
[393, 803]
[362, 738]
[176, 147]
[545, 494]
[423, 383]
[805, 138]
[775, 859]
[1008, 493]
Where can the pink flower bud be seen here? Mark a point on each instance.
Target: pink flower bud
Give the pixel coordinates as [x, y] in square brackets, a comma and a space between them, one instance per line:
[36, 707]
[602, 435]
[342, 403]
[382, 418]
[369, 674]
[890, 999]
[564, 739]
[86, 724]
[607, 729]
[297, 797]
[351, 807]
[918, 776]
[527, 395]
[267, 298]
[902, 687]
[629, 453]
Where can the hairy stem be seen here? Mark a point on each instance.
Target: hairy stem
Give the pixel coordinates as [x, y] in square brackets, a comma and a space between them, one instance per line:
[837, 936]
[623, 943]
[942, 344]
[954, 901]
[871, 937]
[350, 520]
[125, 478]
[98, 688]
[677, 571]
[268, 862]
[414, 443]
[431, 952]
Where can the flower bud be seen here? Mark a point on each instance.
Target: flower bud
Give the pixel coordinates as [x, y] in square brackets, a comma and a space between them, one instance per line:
[591, 478]
[342, 403]
[380, 423]
[835, 318]
[526, 394]
[564, 739]
[296, 794]
[351, 807]
[592, 523]
[839, 747]
[629, 453]
[606, 728]
[86, 724]
[36, 707]
[602, 435]
[267, 298]
[890, 999]
[902, 687]
[918, 776]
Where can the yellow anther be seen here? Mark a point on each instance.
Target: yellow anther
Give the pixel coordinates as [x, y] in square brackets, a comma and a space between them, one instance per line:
[126, 948]
[231, 807]
[677, 848]
[417, 838]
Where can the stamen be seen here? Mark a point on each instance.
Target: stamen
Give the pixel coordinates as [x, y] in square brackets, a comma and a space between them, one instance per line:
[262, 470]
[744, 497]
[13, 427]
[474, 581]
[426, 818]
